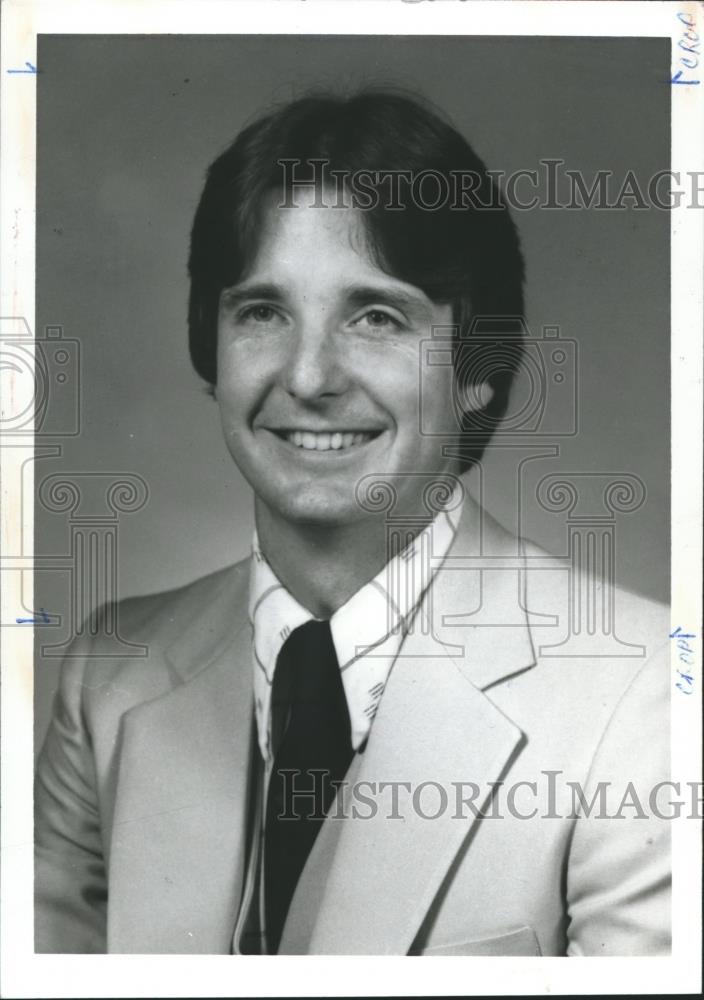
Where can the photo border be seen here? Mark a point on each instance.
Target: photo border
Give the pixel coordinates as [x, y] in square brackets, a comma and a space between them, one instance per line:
[26, 974]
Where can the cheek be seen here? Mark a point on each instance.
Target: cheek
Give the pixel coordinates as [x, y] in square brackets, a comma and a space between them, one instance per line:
[412, 389]
[388, 373]
[231, 395]
[244, 373]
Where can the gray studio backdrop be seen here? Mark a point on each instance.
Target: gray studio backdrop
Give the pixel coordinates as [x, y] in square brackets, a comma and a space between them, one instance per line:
[126, 128]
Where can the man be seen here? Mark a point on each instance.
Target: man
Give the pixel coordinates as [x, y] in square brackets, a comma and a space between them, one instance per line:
[264, 781]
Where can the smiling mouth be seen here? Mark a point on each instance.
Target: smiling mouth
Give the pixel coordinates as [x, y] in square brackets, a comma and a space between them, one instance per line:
[327, 440]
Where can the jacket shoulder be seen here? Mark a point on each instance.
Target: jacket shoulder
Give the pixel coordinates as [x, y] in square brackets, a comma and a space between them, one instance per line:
[166, 612]
[192, 616]
[553, 587]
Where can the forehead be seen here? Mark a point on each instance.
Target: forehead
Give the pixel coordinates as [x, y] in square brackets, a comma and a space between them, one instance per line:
[290, 239]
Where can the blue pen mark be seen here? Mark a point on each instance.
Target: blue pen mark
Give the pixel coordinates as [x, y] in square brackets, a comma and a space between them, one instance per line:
[689, 50]
[29, 68]
[685, 654]
[677, 78]
[38, 618]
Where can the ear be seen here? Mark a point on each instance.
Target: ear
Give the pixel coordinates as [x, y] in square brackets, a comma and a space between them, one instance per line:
[473, 397]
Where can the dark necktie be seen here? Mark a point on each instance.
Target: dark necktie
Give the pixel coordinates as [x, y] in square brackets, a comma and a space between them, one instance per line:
[312, 750]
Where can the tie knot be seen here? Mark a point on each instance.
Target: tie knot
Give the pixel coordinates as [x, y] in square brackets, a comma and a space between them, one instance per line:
[309, 659]
[307, 677]
[314, 634]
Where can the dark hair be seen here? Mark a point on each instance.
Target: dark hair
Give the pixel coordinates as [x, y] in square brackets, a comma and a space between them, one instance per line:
[465, 253]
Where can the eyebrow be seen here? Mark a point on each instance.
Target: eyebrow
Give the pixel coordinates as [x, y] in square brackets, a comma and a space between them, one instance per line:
[242, 293]
[360, 295]
[355, 295]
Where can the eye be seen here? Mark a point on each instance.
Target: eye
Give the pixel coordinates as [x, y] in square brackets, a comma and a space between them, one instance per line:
[378, 319]
[259, 313]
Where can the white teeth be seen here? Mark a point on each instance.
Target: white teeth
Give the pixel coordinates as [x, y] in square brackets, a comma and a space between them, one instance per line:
[326, 441]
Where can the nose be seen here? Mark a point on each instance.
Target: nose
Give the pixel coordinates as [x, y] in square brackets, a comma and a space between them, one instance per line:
[314, 367]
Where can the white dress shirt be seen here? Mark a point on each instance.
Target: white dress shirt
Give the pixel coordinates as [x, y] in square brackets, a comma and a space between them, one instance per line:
[367, 630]
[367, 633]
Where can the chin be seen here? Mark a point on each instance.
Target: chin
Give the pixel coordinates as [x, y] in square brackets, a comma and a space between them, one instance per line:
[314, 506]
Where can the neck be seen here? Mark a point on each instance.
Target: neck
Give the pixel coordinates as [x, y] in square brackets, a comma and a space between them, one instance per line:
[322, 566]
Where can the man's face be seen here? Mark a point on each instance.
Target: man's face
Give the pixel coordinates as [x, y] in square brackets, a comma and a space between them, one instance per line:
[318, 377]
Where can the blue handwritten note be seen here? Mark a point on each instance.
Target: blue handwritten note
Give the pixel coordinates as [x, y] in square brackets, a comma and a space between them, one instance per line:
[685, 655]
[688, 51]
[28, 68]
[38, 618]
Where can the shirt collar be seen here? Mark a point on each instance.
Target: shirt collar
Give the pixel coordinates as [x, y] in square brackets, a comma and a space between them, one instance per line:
[367, 630]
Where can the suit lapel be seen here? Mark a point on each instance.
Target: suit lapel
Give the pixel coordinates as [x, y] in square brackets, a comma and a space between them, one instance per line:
[372, 880]
[178, 846]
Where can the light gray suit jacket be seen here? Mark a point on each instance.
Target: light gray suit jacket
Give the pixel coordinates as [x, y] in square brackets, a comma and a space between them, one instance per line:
[141, 791]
